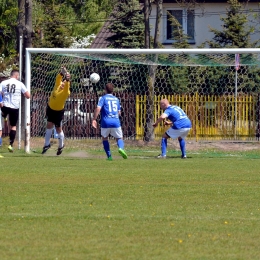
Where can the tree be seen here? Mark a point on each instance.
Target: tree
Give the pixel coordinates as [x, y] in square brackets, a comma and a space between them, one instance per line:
[56, 21]
[88, 15]
[127, 26]
[178, 80]
[51, 31]
[152, 70]
[235, 33]
[8, 16]
[146, 10]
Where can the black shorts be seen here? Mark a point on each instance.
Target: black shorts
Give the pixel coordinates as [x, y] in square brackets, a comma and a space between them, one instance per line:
[54, 116]
[13, 114]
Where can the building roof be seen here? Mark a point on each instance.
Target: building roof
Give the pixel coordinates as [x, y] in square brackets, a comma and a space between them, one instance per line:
[100, 40]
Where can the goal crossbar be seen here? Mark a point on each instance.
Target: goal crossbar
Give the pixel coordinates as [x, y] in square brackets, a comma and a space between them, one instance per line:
[145, 51]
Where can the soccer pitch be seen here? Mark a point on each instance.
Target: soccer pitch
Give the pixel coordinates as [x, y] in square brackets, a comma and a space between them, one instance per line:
[72, 207]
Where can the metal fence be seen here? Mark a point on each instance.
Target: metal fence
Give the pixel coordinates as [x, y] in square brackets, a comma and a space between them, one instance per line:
[214, 117]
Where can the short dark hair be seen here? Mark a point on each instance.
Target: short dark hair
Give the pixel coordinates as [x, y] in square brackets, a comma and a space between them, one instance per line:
[109, 88]
[13, 72]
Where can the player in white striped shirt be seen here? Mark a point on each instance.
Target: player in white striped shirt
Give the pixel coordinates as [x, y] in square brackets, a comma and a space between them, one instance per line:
[11, 90]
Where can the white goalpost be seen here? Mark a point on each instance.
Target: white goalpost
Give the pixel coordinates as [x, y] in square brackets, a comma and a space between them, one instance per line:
[217, 89]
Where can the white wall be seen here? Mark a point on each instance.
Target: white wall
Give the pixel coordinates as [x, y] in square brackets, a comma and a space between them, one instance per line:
[206, 15]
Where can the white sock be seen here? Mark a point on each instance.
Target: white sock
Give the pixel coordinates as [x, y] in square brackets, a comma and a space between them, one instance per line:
[61, 139]
[48, 137]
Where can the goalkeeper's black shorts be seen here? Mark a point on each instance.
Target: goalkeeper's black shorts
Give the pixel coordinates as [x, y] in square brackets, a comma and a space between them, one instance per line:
[54, 116]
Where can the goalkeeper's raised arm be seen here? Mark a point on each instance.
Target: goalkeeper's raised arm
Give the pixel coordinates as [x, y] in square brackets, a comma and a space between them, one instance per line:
[55, 109]
[61, 91]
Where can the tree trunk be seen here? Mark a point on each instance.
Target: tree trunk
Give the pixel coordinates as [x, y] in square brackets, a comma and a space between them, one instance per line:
[27, 44]
[149, 131]
[20, 22]
[28, 24]
[147, 24]
[158, 22]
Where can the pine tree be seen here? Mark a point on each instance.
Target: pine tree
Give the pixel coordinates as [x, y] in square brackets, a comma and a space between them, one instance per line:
[180, 38]
[127, 26]
[52, 32]
[179, 79]
[235, 31]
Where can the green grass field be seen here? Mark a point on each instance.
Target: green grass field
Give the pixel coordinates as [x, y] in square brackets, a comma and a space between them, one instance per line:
[71, 207]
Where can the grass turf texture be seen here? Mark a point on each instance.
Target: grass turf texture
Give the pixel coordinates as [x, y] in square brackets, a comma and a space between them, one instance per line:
[205, 207]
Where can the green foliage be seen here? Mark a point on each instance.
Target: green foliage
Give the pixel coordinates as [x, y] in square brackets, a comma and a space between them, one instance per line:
[52, 31]
[87, 17]
[56, 23]
[180, 38]
[127, 26]
[235, 32]
[178, 80]
[8, 17]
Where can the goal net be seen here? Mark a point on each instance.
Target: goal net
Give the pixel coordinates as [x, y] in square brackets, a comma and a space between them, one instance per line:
[217, 88]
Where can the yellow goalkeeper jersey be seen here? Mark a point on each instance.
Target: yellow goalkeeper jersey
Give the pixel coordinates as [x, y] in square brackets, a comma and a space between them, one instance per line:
[58, 96]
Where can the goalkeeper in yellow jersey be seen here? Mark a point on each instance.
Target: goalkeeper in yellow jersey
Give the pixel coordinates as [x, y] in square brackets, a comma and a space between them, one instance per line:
[55, 109]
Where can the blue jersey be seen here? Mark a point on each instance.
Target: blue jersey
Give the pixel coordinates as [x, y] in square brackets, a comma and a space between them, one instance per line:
[1, 98]
[178, 117]
[110, 106]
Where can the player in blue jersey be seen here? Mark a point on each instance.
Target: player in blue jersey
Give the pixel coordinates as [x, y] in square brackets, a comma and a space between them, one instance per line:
[109, 108]
[180, 126]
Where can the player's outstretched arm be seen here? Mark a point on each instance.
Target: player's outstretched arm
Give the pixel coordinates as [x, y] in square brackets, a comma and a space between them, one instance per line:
[67, 82]
[94, 120]
[58, 81]
[159, 120]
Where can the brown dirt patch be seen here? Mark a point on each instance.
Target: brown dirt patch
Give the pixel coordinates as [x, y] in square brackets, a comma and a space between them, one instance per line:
[196, 146]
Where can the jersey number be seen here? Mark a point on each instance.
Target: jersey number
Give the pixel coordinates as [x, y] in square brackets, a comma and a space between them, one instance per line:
[181, 112]
[10, 88]
[112, 106]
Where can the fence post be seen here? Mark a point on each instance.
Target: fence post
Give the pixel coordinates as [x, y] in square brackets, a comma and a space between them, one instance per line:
[258, 117]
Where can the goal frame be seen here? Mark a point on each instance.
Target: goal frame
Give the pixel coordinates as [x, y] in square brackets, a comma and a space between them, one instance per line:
[30, 51]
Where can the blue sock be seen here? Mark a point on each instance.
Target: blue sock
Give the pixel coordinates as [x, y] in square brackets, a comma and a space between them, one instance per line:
[120, 143]
[182, 146]
[1, 141]
[107, 148]
[164, 146]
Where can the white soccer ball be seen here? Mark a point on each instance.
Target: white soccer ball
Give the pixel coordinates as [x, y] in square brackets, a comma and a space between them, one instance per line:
[94, 78]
